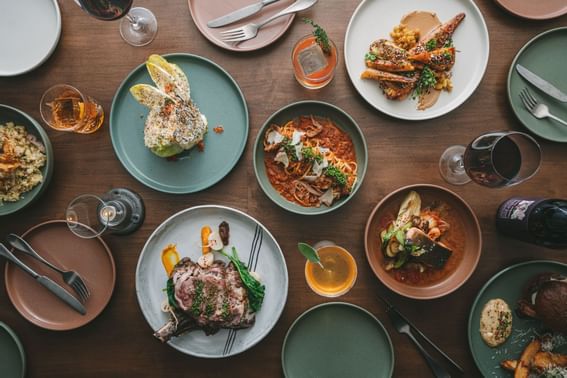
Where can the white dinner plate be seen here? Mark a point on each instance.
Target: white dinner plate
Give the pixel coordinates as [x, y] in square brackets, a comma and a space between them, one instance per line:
[256, 247]
[29, 32]
[375, 19]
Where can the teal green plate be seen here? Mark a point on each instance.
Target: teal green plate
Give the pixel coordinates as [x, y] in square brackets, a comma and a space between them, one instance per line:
[10, 114]
[545, 55]
[218, 97]
[12, 357]
[337, 340]
[507, 285]
[317, 108]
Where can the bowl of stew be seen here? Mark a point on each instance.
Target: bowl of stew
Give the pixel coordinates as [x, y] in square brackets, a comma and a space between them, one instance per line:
[310, 157]
[423, 241]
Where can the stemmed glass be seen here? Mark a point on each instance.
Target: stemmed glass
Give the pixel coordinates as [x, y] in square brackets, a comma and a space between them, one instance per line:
[494, 159]
[120, 211]
[138, 26]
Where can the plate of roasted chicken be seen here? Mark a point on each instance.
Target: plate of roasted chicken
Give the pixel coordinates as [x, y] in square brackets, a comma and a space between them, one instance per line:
[211, 281]
[416, 60]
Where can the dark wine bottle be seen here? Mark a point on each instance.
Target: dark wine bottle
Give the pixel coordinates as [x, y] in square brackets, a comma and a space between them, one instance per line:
[536, 220]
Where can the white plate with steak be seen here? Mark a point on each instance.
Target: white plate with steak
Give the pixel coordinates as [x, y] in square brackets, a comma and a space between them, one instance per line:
[213, 313]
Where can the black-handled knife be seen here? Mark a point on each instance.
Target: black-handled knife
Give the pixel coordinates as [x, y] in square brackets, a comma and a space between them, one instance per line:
[61, 293]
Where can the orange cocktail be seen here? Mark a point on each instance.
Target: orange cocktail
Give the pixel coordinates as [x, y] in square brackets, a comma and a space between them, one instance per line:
[312, 67]
[337, 275]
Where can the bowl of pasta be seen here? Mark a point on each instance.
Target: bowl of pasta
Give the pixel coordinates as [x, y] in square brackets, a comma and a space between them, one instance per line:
[310, 157]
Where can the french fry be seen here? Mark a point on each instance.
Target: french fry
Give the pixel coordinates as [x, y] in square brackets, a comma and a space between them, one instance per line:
[524, 364]
[509, 365]
[543, 360]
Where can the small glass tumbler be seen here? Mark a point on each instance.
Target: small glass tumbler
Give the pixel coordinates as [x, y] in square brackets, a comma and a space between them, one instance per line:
[337, 274]
[64, 108]
[312, 67]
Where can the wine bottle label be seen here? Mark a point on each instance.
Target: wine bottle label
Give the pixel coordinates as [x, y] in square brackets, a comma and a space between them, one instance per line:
[512, 216]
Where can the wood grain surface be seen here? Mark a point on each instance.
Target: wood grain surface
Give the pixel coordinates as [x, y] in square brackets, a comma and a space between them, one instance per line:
[92, 56]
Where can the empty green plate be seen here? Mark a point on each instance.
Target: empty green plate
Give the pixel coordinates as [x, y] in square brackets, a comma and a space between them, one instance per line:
[545, 55]
[316, 108]
[12, 357]
[507, 285]
[337, 339]
[18, 117]
[218, 97]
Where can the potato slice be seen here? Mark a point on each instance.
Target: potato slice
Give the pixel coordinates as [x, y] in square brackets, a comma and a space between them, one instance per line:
[525, 362]
[543, 360]
[509, 365]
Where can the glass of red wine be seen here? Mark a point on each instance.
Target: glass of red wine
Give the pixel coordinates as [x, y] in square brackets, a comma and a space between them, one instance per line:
[494, 159]
[138, 26]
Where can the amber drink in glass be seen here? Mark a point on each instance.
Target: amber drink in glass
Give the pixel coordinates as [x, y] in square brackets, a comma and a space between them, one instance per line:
[337, 274]
[312, 67]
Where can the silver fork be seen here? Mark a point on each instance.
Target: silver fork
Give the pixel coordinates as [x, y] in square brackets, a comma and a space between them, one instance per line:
[71, 278]
[402, 326]
[537, 109]
[250, 31]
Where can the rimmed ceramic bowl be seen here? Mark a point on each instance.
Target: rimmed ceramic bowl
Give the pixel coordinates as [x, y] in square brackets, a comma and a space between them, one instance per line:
[463, 221]
[305, 108]
[20, 118]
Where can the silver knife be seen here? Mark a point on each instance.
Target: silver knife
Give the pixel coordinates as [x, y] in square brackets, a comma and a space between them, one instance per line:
[61, 293]
[238, 14]
[541, 84]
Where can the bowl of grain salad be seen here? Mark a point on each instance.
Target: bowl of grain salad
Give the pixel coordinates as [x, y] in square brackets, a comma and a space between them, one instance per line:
[26, 160]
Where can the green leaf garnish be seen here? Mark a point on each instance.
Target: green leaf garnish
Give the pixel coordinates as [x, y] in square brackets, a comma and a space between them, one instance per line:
[320, 36]
[371, 57]
[336, 174]
[255, 289]
[431, 44]
[426, 81]
[448, 43]
[309, 253]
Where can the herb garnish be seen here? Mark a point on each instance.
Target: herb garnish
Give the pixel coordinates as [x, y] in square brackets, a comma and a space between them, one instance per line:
[170, 288]
[253, 286]
[371, 57]
[310, 155]
[320, 36]
[426, 81]
[336, 174]
[431, 44]
[448, 43]
[310, 253]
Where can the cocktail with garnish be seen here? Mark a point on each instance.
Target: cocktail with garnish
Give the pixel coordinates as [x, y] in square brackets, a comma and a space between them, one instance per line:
[330, 270]
[314, 58]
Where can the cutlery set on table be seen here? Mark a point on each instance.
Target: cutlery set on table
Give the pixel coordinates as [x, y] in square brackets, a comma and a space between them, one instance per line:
[212, 281]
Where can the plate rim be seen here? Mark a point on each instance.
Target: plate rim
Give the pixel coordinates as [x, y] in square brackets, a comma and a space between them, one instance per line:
[18, 343]
[338, 303]
[414, 187]
[526, 45]
[49, 161]
[64, 328]
[51, 49]
[165, 224]
[235, 48]
[420, 116]
[321, 210]
[493, 278]
[548, 16]
[124, 161]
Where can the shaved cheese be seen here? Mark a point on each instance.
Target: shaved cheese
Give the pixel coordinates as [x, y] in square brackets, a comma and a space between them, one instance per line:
[274, 137]
[318, 167]
[281, 157]
[298, 153]
[327, 197]
[296, 137]
[323, 150]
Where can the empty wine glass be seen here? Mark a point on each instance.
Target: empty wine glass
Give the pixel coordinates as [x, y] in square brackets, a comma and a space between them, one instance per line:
[138, 26]
[494, 159]
[120, 211]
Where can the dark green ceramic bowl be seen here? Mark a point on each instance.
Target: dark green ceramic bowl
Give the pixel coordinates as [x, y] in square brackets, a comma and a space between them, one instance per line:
[337, 340]
[316, 108]
[18, 117]
[12, 357]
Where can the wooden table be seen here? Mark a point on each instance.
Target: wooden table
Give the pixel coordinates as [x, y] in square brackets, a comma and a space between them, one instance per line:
[92, 56]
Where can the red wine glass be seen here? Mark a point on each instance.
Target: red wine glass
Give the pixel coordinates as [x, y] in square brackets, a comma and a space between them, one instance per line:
[494, 159]
[138, 26]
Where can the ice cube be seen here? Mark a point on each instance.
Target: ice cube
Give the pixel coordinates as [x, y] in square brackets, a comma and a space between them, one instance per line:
[312, 59]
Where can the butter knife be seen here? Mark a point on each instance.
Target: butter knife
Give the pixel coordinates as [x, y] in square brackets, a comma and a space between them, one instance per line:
[239, 14]
[61, 293]
[541, 84]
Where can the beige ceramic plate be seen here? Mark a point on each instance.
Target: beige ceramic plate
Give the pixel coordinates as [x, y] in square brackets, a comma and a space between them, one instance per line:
[204, 11]
[91, 258]
[535, 10]
[465, 221]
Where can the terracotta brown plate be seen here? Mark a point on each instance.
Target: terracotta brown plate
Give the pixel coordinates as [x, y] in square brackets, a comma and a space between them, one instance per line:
[204, 11]
[91, 258]
[535, 10]
[467, 223]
